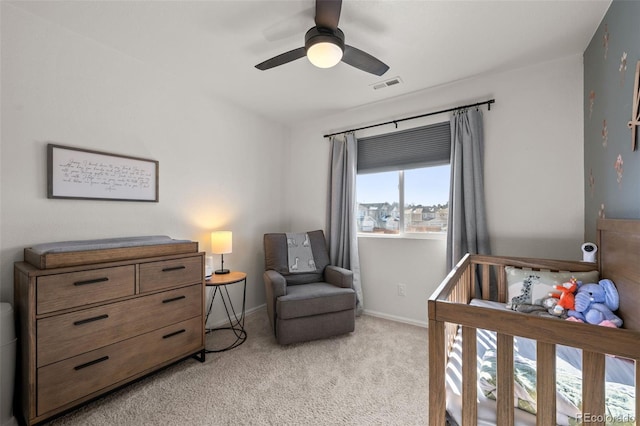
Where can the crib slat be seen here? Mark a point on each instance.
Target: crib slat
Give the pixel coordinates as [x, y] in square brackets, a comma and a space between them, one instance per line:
[486, 282]
[472, 285]
[437, 365]
[505, 379]
[466, 286]
[593, 371]
[469, 377]
[502, 284]
[546, 383]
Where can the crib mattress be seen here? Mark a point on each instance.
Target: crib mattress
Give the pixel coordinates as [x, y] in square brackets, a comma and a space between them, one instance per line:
[617, 371]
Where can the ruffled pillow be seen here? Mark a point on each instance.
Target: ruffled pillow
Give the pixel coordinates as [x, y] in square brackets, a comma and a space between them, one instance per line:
[530, 287]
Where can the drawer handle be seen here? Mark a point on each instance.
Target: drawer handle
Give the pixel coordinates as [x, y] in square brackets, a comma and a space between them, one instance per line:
[174, 333]
[90, 363]
[173, 299]
[173, 268]
[98, 318]
[94, 281]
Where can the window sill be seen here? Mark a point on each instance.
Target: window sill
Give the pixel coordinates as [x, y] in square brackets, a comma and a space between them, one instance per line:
[406, 236]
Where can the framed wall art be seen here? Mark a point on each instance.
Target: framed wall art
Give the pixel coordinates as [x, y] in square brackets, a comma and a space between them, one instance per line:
[86, 174]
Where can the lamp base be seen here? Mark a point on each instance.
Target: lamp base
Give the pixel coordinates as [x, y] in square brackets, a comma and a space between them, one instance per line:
[221, 271]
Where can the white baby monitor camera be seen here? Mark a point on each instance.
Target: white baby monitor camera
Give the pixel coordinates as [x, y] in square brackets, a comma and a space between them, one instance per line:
[589, 252]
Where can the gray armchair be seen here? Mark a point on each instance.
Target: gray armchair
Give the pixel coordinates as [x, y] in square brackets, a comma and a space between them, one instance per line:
[307, 305]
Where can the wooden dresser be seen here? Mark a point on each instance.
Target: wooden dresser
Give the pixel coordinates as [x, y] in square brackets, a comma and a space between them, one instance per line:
[88, 329]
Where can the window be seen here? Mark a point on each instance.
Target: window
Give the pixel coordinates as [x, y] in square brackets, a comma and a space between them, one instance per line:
[423, 193]
[403, 182]
[378, 203]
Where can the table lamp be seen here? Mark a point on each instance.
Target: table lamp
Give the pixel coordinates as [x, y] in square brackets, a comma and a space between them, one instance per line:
[221, 244]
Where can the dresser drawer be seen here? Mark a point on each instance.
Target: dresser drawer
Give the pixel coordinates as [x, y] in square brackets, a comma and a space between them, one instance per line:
[71, 334]
[62, 291]
[66, 381]
[170, 273]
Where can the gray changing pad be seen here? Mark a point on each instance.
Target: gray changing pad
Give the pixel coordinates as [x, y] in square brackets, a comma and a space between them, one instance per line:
[73, 253]
[100, 244]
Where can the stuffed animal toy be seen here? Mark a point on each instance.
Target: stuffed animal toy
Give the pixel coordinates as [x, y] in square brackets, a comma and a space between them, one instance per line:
[566, 296]
[595, 303]
[546, 308]
[551, 305]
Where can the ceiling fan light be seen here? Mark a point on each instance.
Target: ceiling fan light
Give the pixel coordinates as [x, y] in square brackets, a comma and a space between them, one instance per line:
[324, 54]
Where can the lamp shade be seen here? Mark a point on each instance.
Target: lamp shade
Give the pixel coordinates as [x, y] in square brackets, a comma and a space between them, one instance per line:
[221, 242]
[324, 54]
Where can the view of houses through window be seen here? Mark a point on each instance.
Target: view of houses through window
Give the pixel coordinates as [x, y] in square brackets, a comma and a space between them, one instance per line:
[423, 194]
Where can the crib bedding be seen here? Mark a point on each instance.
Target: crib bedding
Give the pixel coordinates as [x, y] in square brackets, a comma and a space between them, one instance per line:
[619, 376]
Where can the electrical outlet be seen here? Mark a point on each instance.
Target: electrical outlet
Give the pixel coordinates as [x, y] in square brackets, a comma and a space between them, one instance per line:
[402, 290]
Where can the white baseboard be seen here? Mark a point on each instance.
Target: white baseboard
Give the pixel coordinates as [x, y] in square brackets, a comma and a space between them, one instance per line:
[255, 309]
[395, 318]
[247, 312]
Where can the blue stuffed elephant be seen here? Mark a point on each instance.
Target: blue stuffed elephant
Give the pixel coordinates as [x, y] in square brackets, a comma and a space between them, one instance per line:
[595, 303]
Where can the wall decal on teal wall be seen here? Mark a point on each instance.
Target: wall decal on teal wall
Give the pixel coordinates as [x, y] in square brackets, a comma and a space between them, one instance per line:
[623, 67]
[619, 168]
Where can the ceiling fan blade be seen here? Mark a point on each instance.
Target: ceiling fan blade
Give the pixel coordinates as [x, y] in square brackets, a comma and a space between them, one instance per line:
[363, 61]
[283, 58]
[328, 13]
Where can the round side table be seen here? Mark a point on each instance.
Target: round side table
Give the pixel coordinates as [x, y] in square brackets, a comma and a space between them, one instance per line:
[220, 285]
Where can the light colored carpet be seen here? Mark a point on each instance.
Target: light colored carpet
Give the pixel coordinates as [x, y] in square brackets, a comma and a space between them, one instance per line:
[377, 375]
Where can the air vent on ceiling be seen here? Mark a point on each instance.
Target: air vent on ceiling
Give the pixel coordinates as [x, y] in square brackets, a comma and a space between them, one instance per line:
[391, 82]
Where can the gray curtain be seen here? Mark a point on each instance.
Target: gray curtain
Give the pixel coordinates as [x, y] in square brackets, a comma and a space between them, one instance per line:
[467, 219]
[341, 214]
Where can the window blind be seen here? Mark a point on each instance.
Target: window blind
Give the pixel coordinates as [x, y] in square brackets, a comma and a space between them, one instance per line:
[406, 149]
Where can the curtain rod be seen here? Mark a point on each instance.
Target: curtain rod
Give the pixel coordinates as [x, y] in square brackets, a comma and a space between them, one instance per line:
[488, 103]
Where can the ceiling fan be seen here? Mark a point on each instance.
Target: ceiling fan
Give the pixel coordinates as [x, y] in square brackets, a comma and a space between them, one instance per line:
[324, 45]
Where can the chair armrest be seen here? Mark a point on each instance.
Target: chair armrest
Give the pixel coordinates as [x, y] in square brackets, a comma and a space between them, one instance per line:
[276, 283]
[275, 286]
[338, 276]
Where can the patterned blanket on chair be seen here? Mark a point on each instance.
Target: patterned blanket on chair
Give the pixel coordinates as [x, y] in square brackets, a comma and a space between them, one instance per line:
[300, 253]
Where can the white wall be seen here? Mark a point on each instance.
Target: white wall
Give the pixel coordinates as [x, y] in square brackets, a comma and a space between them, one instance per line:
[533, 177]
[63, 88]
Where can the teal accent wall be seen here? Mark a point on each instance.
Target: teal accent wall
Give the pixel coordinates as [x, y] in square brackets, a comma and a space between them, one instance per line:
[612, 170]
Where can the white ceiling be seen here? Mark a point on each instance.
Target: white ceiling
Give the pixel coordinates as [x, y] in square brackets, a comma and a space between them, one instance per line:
[214, 45]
